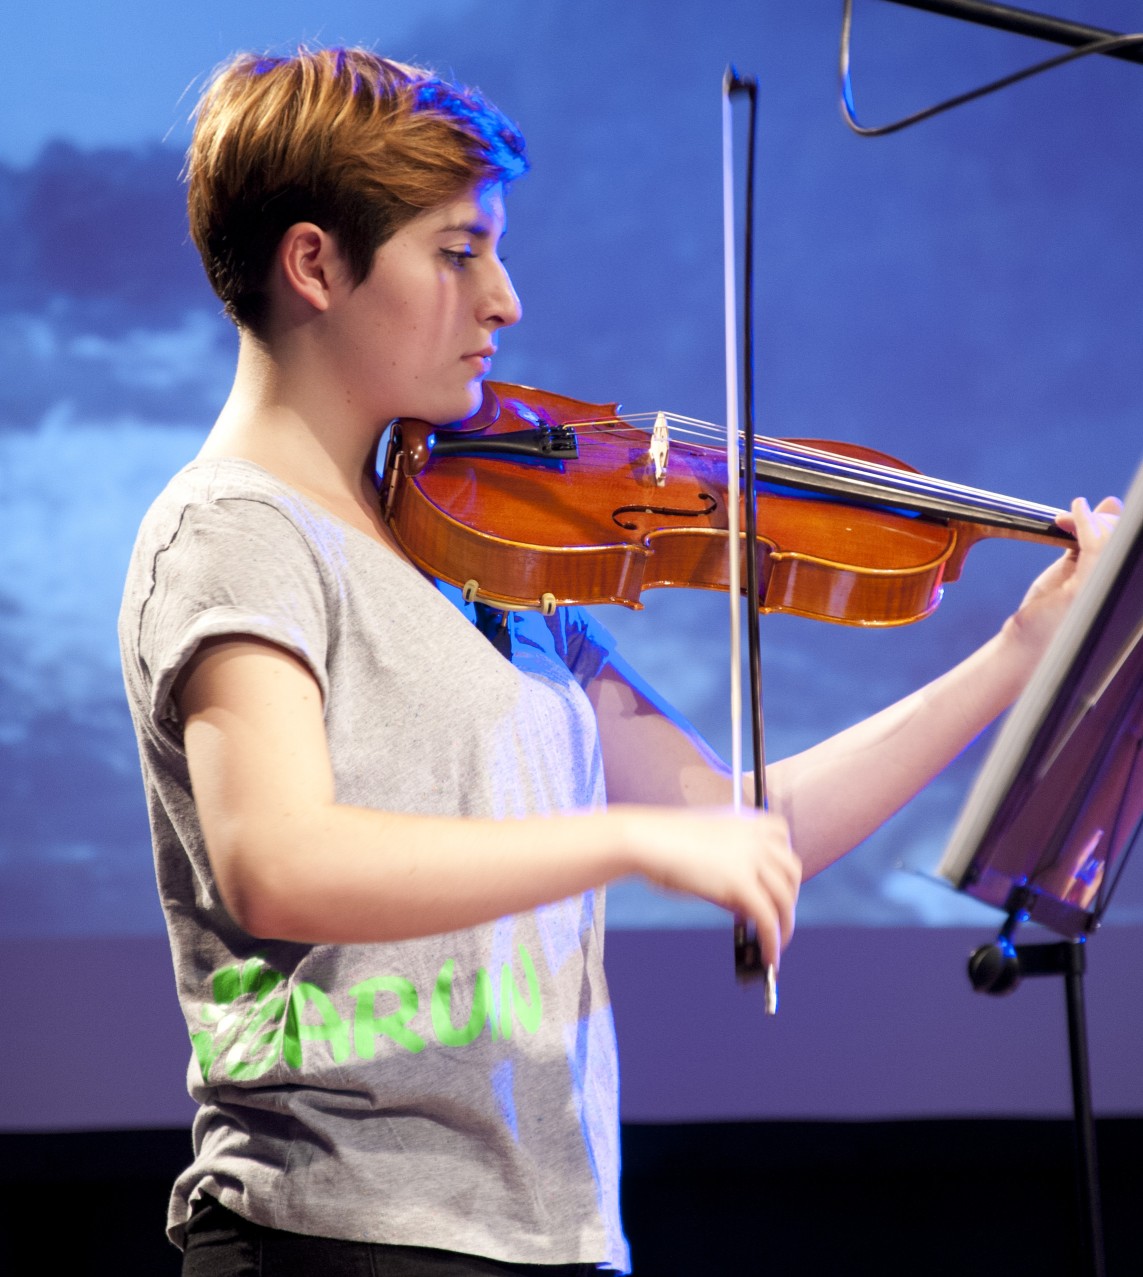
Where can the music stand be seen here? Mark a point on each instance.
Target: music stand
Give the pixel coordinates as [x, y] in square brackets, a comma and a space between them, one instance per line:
[1058, 805]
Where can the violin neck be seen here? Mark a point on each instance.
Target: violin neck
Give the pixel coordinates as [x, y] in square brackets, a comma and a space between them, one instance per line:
[879, 486]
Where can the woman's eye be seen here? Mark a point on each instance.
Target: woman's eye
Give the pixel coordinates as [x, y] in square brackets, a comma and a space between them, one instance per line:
[458, 257]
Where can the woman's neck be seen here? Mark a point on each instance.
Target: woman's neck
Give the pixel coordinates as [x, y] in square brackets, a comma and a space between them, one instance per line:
[288, 417]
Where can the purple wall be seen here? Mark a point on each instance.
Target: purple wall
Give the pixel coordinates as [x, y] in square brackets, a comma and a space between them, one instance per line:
[873, 1023]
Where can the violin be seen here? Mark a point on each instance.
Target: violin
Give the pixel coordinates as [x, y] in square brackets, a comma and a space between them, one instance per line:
[539, 500]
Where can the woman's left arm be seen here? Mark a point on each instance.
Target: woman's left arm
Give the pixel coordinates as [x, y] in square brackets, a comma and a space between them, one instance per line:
[836, 793]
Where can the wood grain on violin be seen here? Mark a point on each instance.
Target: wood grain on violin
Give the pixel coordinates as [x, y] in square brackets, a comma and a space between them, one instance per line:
[539, 500]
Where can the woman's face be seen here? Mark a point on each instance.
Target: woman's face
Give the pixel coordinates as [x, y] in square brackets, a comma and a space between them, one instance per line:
[420, 331]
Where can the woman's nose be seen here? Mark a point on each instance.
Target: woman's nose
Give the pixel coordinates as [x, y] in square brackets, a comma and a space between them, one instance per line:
[502, 306]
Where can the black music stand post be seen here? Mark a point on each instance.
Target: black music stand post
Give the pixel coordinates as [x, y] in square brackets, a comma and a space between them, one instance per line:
[1057, 807]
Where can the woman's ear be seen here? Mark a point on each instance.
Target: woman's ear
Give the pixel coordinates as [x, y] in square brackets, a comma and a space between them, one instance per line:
[309, 264]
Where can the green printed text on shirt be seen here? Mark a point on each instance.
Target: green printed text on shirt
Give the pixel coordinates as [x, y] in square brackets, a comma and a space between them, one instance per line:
[256, 1020]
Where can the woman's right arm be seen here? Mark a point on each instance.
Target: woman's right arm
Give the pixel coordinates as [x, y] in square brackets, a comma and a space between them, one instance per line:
[294, 864]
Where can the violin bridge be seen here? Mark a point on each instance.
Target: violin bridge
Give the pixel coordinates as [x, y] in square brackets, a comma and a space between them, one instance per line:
[660, 448]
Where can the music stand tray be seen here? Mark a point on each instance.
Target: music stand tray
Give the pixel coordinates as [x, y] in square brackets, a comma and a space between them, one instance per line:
[1058, 804]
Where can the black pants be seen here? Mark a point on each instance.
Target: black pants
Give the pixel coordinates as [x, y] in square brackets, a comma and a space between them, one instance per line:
[223, 1244]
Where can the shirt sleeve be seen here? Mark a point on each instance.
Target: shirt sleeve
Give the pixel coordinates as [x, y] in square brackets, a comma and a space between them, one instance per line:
[234, 566]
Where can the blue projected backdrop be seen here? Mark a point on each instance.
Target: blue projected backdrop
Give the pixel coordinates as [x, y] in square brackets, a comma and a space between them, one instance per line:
[965, 296]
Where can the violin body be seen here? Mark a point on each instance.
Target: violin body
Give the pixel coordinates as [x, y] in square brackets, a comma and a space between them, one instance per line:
[519, 524]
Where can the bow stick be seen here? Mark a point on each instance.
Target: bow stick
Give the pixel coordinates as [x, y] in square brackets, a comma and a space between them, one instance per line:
[748, 964]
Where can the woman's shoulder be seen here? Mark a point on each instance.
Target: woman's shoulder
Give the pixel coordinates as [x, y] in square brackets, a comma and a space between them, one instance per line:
[231, 492]
[210, 479]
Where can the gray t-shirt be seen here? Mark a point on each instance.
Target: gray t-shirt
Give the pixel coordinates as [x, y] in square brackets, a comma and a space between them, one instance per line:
[459, 1091]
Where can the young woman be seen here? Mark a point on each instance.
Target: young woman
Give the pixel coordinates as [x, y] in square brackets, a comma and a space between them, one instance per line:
[380, 844]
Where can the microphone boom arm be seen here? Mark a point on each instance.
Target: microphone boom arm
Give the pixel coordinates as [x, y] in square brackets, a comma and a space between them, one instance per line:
[1023, 22]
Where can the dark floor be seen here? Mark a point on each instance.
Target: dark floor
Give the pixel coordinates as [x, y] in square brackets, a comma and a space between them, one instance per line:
[927, 1199]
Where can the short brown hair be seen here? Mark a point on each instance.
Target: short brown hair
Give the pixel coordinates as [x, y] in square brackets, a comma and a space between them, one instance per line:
[340, 137]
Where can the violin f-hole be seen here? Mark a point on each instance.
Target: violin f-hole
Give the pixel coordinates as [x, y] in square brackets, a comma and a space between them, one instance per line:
[710, 504]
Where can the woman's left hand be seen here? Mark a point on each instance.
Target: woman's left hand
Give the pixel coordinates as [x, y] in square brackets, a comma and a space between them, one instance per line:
[1051, 594]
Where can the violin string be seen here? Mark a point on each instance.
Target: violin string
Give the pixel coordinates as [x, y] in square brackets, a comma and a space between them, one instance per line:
[782, 449]
[899, 478]
[859, 468]
[844, 466]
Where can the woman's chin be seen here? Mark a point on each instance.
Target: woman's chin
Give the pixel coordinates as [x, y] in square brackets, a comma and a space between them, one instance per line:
[466, 405]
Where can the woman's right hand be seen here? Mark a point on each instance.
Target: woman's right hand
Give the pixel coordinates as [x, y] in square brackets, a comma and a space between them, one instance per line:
[744, 863]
